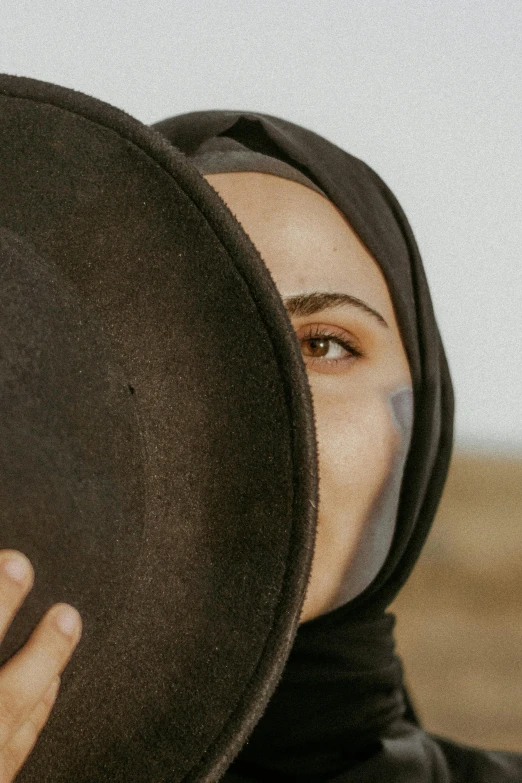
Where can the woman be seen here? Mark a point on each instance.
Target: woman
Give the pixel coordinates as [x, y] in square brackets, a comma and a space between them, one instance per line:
[344, 260]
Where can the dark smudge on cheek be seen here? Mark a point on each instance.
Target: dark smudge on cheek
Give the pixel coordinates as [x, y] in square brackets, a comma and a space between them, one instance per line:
[374, 544]
[401, 404]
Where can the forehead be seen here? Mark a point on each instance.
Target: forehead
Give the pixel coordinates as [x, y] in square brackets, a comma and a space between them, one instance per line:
[303, 238]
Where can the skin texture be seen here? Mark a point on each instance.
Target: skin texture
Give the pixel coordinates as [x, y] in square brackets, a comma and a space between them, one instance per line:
[308, 247]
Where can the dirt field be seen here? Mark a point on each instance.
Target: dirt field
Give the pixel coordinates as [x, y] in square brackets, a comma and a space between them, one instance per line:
[460, 615]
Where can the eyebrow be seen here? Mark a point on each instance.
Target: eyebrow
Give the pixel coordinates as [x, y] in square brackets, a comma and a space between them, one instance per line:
[309, 304]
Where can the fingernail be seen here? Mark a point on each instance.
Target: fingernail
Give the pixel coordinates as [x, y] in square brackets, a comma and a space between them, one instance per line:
[16, 568]
[67, 620]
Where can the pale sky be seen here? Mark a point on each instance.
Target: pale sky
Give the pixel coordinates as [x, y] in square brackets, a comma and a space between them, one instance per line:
[429, 93]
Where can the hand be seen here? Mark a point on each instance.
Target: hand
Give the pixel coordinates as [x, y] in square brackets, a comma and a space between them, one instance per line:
[29, 681]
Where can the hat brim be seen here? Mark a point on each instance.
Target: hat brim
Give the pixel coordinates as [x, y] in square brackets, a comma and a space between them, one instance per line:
[189, 612]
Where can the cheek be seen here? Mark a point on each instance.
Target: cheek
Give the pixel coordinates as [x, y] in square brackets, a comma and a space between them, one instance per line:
[357, 440]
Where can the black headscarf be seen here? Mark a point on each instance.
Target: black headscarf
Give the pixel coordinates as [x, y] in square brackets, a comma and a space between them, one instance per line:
[340, 708]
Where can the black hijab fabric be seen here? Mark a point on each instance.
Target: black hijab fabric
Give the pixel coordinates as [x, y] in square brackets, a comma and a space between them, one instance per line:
[340, 711]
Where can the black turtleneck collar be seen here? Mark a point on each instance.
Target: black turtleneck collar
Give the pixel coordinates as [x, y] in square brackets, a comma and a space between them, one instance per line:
[340, 690]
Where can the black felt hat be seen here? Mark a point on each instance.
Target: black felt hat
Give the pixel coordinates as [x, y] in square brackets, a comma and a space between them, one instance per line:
[157, 452]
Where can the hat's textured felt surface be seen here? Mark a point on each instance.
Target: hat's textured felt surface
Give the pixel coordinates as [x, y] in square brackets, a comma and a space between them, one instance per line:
[158, 446]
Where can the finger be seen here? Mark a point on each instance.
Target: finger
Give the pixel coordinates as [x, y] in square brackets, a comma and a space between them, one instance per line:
[23, 741]
[16, 579]
[25, 678]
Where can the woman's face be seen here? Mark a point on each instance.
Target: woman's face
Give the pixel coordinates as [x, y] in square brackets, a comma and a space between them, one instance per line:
[340, 308]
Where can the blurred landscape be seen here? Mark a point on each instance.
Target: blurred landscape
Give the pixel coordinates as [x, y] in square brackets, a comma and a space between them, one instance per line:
[459, 617]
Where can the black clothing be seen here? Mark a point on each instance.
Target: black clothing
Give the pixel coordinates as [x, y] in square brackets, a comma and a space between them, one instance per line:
[339, 712]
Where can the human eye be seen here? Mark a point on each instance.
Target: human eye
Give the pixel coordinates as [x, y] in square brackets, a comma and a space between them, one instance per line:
[324, 347]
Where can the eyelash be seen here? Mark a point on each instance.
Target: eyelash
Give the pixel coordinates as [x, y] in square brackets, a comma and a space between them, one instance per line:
[315, 332]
